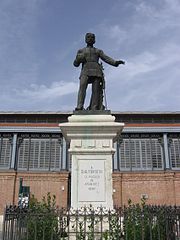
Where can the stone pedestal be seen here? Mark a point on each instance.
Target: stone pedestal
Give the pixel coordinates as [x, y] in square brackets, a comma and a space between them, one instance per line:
[91, 140]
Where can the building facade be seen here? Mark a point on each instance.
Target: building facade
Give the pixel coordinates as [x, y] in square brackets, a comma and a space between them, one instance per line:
[146, 163]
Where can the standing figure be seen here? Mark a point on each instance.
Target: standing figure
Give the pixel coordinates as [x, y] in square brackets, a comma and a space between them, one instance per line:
[92, 72]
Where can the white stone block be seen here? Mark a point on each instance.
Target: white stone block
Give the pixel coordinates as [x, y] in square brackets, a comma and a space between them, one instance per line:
[91, 140]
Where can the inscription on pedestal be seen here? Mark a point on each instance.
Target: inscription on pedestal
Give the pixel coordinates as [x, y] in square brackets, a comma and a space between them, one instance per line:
[91, 180]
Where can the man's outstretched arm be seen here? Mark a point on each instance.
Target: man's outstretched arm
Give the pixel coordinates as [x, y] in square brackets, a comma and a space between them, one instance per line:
[110, 60]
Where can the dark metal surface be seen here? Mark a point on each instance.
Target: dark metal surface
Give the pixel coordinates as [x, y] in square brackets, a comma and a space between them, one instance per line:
[92, 73]
[134, 222]
[92, 112]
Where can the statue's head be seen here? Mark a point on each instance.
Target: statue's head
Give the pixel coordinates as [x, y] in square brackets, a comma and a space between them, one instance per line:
[90, 38]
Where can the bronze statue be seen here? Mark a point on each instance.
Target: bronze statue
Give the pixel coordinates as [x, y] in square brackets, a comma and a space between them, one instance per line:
[92, 72]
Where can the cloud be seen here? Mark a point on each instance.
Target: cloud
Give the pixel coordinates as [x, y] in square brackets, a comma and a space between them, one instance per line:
[149, 43]
[147, 62]
[144, 22]
[153, 18]
[59, 95]
[42, 92]
[145, 34]
[115, 33]
[148, 81]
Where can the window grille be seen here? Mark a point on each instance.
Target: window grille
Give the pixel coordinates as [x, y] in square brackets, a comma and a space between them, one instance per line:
[40, 152]
[174, 151]
[140, 152]
[5, 151]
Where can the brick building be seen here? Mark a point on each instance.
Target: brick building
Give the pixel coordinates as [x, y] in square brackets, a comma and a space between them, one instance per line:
[146, 163]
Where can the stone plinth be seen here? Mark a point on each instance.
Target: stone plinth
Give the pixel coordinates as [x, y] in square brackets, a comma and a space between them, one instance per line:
[91, 140]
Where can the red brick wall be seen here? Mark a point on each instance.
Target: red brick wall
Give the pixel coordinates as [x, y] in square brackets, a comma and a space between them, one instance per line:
[160, 187]
[7, 181]
[40, 184]
[177, 188]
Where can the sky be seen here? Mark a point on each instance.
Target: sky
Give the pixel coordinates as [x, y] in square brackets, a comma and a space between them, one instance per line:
[39, 40]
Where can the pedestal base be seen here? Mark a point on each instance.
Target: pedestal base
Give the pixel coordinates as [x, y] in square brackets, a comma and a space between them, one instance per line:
[91, 147]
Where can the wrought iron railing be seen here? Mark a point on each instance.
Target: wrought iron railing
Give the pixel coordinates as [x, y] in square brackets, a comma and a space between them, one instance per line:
[129, 223]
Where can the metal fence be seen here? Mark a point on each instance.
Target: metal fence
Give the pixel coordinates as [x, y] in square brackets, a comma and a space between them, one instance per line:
[129, 223]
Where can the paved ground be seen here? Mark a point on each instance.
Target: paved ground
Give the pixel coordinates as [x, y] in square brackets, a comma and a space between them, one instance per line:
[0, 236]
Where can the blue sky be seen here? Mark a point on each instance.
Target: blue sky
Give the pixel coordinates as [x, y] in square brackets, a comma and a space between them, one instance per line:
[39, 40]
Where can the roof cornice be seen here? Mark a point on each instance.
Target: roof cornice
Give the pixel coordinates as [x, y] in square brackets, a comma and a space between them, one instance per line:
[57, 129]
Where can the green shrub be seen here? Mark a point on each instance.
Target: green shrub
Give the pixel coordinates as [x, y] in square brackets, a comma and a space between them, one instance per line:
[136, 221]
[42, 220]
[140, 222]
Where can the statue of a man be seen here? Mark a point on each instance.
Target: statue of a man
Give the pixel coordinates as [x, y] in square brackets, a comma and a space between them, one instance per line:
[92, 72]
